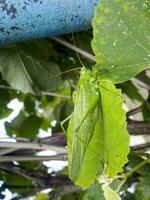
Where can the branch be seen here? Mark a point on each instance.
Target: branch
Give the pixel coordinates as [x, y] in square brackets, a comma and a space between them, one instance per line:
[74, 48]
[141, 146]
[138, 127]
[58, 139]
[36, 94]
[10, 168]
[134, 111]
[29, 145]
[7, 151]
[64, 190]
[142, 84]
[22, 158]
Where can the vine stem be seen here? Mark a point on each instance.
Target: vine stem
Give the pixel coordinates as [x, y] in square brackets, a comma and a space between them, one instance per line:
[129, 173]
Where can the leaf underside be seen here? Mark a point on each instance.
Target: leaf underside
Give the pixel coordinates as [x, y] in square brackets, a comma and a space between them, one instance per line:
[102, 140]
[27, 74]
[121, 38]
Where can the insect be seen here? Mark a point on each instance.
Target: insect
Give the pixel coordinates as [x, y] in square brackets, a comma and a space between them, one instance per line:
[93, 126]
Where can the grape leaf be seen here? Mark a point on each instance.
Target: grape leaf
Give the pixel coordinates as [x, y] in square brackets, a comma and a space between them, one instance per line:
[101, 137]
[115, 135]
[109, 193]
[26, 74]
[121, 38]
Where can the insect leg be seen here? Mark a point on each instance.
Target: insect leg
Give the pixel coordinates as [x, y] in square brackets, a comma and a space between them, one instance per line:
[63, 122]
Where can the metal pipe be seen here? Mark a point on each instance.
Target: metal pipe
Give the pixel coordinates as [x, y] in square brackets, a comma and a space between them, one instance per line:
[22, 20]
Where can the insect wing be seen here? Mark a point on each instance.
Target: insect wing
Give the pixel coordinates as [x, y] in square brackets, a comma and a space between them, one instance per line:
[84, 144]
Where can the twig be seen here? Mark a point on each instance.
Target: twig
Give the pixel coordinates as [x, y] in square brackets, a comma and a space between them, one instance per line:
[5, 87]
[129, 173]
[10, 168]
[53, 94]
[6, 151]
[54, 182]
[64, 190]
[141, 146]
[40, 94]
[142, 84]
[29, 145]
[138, 127]
[74, 48]
[22, 158]
[134, 111]
[56, 139]
[14, 186]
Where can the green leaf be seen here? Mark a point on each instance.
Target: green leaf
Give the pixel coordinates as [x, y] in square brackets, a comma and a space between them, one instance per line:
[121, 38]
[24, 126]
[101, 137]
[41, 196]
[29, 104]
[41, 49]
[143, 190]
[115, 135]
[94, 192]
[26, 74]
[109, 193]
[11, 180]
[5, 98]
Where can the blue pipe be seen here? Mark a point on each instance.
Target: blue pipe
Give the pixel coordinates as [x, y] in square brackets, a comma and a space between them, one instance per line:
[22, 20]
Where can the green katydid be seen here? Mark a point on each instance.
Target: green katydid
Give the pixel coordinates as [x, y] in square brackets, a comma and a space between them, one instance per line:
[97, 136]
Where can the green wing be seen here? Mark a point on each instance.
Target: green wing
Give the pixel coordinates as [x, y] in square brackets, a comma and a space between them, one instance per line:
[84, 143]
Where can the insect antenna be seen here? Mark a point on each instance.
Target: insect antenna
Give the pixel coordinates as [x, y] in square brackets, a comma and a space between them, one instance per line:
[77, 51]
[65, 72]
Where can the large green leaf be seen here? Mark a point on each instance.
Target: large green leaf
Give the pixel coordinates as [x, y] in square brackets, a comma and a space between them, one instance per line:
[27, 74]
[121, 38]
[101, 137]
[115, 135]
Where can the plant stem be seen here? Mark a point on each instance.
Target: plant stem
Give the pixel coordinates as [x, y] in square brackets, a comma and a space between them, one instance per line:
[74, 48]
[129, 173]
[40, 94]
